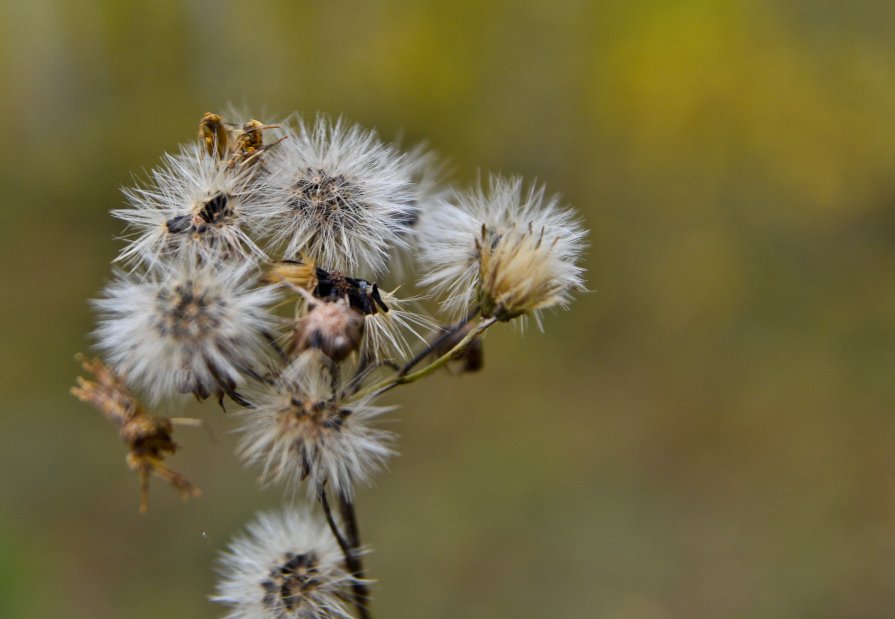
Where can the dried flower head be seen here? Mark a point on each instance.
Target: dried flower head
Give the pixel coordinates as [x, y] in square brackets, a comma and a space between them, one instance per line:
[186, 329]
[195, 205]
[294, 273]
[511, 251]
[288, 566]
[340, 196]
[305, 426]
[215, 135]
[147, 436]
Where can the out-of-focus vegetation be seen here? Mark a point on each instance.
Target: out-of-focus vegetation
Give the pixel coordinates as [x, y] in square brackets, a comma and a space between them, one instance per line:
[708, 433]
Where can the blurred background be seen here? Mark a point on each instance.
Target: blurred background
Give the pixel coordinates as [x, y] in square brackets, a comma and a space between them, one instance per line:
[707, 433]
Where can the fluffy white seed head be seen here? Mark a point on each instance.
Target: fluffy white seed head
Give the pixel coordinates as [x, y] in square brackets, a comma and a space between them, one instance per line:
[511, 251]
[303, 427]
[288, 566]
[339, 196]
[194, 204]
[185, 329]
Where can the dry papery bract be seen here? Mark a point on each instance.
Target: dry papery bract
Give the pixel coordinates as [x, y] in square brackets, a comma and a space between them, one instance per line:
[148, 437]
[253, 271]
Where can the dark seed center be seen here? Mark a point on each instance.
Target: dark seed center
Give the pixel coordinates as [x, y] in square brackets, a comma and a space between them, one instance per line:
[288, 584]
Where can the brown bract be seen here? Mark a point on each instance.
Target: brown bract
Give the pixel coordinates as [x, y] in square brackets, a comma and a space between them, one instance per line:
[333, 327]
[147, 436]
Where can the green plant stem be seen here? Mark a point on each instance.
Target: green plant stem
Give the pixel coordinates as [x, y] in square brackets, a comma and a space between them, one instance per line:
[403, 379]
[448, 333]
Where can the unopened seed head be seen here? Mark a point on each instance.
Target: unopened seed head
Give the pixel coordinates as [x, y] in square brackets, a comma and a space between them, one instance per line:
[508, 250]
[333, 327]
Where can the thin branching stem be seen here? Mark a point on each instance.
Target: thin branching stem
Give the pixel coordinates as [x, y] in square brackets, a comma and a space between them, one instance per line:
[434, 344]
[340, 539]
[350, 551]
[403, 379]
[361, 592]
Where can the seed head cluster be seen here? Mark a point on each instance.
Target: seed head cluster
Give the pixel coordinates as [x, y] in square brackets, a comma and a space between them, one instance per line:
[266, 265]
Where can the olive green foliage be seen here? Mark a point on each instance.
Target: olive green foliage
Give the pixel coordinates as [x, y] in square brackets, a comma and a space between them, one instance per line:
[707, 433]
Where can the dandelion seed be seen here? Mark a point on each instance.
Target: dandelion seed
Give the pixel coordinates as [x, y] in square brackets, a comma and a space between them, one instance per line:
[428, 171]
[305, 427]
[194, 206]
[288, 566]
[340, 196]
[189, 329]
[511, 251]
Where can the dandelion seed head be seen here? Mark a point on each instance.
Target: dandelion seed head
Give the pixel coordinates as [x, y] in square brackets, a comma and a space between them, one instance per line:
[193, 205]
[185, 329]
[340, 196]
[305, 428]
[287, 566]
[511, 251]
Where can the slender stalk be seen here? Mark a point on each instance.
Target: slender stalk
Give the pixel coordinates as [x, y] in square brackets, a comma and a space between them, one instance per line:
[403, 379]
[349, 549]
[343, 544]
[361, 592]
[441, 339]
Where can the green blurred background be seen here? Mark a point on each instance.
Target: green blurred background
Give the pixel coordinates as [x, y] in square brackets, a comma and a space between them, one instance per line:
[708, 433]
